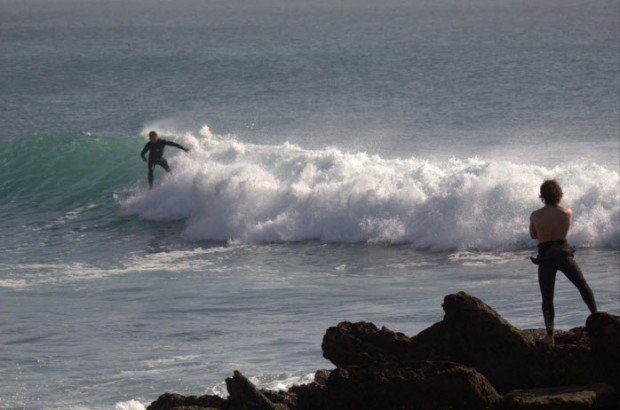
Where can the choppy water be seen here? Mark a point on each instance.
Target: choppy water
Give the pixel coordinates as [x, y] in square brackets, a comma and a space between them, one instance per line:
[349, 161]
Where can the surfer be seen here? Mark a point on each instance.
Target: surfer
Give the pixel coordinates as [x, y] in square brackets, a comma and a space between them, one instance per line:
[155, 147]
[550, 225]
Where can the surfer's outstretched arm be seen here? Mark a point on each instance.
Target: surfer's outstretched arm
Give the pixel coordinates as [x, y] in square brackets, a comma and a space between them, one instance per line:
[174, 144]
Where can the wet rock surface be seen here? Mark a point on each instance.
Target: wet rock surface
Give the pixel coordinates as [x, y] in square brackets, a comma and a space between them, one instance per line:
[597, 396]
[419, 385]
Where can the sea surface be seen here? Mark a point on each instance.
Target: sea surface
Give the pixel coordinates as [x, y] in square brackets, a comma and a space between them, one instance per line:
[350, 160]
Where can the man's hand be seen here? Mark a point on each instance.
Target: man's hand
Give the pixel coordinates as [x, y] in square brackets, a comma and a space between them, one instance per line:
[143, 159]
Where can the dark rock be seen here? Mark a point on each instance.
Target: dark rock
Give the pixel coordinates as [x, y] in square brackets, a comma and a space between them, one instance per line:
[281, 397]
[604, 331]
[313, 395]
[597, 396]
[558, 365]
[243, 395]
[474, 334]
[481, 330]
[321, 376]
[309, 396]
[363, 343]
[174, 401]
[305, 396]
[535, 334]
[419, 385]
[434, 343]
[577, 336]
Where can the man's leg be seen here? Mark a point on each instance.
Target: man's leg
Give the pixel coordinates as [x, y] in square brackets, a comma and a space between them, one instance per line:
[150, 175]
[546, 280]
[571, 269]
[164, 164]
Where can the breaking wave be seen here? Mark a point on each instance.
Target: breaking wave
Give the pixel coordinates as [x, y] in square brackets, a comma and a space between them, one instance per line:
[230, 190]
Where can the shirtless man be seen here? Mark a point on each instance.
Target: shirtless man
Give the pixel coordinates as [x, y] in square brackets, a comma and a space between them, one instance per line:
[550, 225]
[155, 148]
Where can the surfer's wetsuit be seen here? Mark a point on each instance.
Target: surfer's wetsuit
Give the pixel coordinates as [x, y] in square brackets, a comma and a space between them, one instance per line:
[156, 152]
[554, 256]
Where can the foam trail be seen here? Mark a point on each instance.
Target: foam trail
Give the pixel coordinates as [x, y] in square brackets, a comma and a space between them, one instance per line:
[228, 189]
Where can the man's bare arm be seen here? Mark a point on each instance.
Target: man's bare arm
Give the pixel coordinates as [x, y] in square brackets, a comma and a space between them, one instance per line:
[533, 233]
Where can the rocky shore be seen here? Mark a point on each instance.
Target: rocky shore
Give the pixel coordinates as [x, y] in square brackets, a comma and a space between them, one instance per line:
[472, 359]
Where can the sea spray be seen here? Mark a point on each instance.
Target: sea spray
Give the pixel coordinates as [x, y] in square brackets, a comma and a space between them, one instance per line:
[231, 190]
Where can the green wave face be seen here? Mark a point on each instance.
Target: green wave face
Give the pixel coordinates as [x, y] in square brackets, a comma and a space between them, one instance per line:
[57, 198]
[54, 172]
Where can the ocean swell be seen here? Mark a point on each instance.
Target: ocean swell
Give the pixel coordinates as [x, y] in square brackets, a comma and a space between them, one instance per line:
[229, 190]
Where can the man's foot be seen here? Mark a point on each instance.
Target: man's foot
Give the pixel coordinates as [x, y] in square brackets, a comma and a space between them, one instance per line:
[547, 340]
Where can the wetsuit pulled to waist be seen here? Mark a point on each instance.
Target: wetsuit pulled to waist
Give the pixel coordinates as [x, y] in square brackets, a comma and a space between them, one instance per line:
[552, 250]
[545, 246]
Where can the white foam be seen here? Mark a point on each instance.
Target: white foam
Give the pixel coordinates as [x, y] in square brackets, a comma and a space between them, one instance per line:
[129, 405]
[269, 381]
[487, 258]
[408, 265]
[156, 363]
[17, 284]
[245, 193]
[281, 381]
[24, 275]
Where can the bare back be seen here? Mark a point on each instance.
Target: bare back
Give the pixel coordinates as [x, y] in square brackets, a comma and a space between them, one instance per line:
[550, 223]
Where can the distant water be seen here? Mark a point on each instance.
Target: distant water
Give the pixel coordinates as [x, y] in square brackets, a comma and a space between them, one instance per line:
[349, 161]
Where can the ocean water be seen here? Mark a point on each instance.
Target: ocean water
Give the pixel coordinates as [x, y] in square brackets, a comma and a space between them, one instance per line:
[349, 160]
